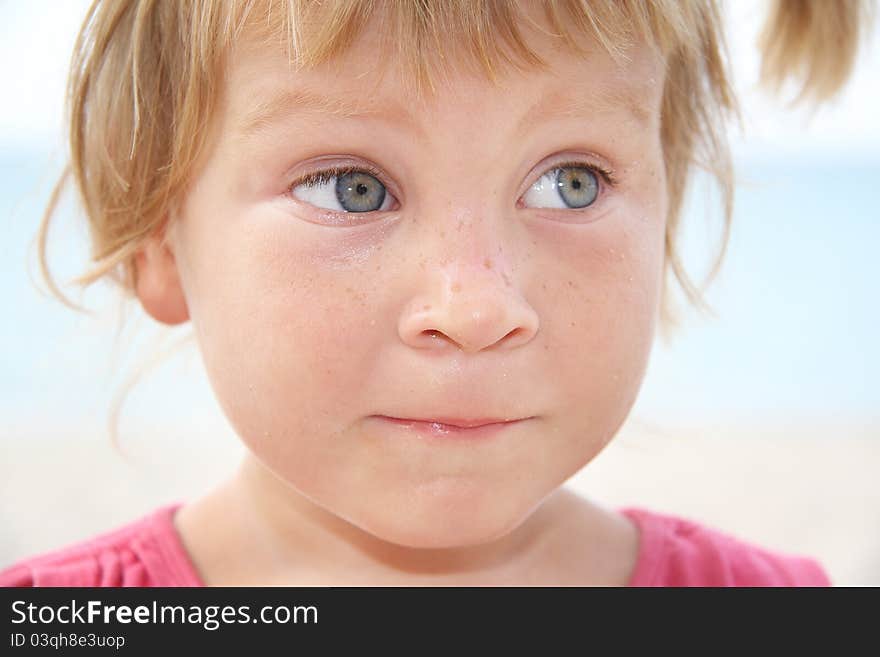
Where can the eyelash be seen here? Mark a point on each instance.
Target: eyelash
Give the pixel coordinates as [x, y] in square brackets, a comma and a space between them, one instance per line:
[324, 176]
[606, 175]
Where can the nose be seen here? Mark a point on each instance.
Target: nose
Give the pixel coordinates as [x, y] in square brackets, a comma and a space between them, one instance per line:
[470, 299]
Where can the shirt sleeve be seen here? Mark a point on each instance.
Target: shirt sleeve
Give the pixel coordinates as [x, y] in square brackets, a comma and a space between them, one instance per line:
[677, 551]
[146, 552]
[78, 566]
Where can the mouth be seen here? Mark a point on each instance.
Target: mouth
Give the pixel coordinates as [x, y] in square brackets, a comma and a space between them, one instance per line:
[453, 427]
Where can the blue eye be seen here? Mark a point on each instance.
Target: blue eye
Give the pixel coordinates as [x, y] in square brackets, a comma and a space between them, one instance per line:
[565, 187]
[352, 190]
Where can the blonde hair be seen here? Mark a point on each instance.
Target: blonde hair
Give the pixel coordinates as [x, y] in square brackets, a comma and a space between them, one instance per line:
[146, 75]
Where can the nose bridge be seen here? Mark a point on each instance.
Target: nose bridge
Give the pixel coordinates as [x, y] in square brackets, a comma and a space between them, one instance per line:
[470, 244]
[460, 220]
[472, 233]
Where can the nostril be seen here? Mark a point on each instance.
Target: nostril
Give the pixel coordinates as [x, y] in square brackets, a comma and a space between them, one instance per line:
[515, 331]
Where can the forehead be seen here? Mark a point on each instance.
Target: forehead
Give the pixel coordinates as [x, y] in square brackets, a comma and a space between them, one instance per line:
[370, 79]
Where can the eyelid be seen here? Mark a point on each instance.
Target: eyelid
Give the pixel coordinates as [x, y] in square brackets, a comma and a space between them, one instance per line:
[323, 175]
[605, 173]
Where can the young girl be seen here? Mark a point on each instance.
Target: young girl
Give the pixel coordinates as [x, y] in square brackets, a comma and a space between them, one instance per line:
[424, 248]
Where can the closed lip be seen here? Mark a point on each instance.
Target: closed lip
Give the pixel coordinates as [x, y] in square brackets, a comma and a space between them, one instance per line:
[461, 423]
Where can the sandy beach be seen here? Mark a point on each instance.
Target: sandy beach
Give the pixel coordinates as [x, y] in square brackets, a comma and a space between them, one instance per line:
[801, 488]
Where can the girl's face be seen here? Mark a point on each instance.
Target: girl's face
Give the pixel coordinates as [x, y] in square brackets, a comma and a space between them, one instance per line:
[494, 253]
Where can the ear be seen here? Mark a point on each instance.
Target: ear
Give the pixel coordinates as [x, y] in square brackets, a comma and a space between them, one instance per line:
[157, 282]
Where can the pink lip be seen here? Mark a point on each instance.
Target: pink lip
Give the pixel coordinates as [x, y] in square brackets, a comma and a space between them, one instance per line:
[449, 427]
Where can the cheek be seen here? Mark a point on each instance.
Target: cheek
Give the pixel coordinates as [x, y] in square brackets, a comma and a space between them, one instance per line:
[277, 333]
[602, 294]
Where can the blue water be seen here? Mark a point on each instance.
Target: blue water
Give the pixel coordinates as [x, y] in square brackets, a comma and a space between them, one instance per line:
[797, 299]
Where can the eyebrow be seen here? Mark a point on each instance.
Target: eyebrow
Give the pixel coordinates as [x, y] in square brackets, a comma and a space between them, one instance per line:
[296, 102]
[560, 105]
[304, 102]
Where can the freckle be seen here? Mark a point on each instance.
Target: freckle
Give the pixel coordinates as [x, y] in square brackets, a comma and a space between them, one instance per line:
[456, 287]
[487, 263]
[506, 279]
[573, 324]
[544, 285]
[427, 307]
[442, 233]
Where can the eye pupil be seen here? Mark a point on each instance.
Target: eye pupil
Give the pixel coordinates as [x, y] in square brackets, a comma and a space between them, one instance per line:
[361, 189]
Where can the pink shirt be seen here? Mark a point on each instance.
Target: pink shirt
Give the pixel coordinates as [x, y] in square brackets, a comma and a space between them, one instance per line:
[672, 552]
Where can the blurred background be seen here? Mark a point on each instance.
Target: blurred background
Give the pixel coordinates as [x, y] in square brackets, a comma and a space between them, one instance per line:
[762, 422]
